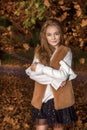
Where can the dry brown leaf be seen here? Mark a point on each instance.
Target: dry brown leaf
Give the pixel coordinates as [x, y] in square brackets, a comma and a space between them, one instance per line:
[47, 3]
[82, 60]
[84, 22]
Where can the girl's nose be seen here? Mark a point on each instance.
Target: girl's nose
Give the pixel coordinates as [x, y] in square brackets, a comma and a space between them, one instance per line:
[53, 36]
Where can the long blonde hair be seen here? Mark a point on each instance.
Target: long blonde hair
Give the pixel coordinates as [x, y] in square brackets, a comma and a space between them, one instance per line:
[45, 50]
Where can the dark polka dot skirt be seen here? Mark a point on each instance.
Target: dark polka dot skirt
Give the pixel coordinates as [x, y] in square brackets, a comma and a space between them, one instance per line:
[48, 115]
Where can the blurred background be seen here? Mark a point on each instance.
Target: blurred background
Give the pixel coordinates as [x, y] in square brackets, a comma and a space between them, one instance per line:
[20, 23]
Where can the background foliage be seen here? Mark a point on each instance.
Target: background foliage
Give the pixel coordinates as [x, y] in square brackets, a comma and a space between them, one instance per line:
[20, 22]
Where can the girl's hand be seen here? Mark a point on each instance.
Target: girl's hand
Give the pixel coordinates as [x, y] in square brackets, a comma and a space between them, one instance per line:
[63, 84]
[33, 66]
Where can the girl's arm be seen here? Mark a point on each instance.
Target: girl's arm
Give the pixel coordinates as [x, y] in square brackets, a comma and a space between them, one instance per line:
[44, 79]
[63, 73]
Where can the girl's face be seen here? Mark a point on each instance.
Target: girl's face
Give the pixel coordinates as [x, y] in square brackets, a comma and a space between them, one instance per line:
[53, 35]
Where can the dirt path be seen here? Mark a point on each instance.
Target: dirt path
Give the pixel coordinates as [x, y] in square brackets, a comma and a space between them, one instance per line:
[15, 71]
[20, 72]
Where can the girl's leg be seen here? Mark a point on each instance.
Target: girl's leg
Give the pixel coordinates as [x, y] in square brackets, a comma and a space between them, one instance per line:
[42, 127]
[41, 124]
[58, 127]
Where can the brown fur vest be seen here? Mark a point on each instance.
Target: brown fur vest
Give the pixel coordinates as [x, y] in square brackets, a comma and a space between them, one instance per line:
[64, 96]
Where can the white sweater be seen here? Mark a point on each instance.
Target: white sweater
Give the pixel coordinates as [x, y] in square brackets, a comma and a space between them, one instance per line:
[49, 76]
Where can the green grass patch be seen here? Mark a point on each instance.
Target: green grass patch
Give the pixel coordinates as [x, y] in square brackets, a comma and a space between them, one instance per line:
[20, 58]
[27, 54]
[78, 55]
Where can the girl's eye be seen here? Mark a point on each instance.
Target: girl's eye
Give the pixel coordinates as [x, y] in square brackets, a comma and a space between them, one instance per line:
[57, 33]
[48, 34]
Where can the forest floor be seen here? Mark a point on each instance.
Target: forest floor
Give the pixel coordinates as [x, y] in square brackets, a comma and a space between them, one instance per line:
[16, 92]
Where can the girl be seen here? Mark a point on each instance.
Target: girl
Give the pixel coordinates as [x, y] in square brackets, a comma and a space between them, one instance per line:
[53, 96]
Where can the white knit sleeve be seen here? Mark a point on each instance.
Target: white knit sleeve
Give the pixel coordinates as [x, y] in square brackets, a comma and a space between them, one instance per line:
[63, 72]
